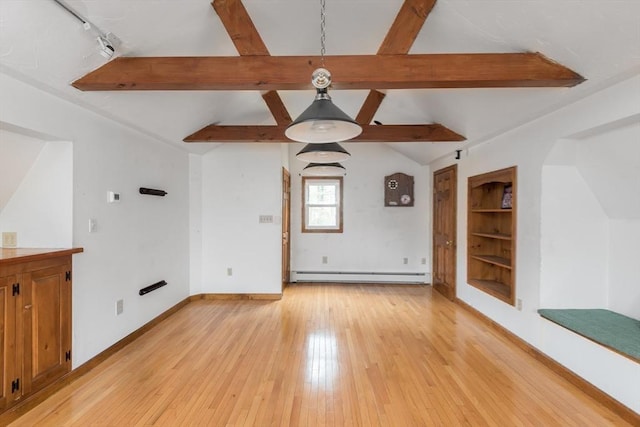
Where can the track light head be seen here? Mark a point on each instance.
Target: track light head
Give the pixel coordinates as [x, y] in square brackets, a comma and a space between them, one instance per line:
[106, 48]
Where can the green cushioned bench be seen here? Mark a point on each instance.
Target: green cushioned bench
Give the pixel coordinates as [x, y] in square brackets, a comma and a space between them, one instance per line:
[613, 330]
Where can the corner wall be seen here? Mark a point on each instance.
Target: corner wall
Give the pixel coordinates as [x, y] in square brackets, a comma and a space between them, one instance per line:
[527, 147]
[375, 238]
[241, 182]
[140, 240]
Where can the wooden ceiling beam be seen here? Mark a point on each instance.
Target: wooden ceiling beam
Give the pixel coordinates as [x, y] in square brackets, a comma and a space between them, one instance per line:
[399, 39]
[240, 27]
[370, 107]
[406, 26]
[455, 70]
[247, 40]
[277, 108]
[370, 133]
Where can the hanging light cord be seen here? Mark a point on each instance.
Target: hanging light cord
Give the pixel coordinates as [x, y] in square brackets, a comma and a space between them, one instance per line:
[322, 32]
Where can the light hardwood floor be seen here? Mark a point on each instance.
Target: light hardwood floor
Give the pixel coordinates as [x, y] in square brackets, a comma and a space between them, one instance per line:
[323, 355]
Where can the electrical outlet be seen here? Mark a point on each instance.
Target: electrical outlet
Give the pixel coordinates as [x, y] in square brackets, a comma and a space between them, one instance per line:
[119, 307]
[405, 261]
[325, 259]
[423, 261]
[519, 304]
[93, 225]
[229, 271]
[9, 239]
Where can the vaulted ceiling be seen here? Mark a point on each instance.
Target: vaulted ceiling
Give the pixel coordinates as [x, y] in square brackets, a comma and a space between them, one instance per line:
[432, 72]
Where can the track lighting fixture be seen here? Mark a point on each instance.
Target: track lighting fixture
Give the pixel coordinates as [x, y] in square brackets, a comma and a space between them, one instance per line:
[106, 48]
[107, 42]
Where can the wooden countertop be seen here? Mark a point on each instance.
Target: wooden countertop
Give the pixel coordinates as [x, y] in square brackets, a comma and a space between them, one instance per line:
[18, 255]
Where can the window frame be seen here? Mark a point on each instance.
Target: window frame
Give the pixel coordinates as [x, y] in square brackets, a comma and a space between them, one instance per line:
[339, 211]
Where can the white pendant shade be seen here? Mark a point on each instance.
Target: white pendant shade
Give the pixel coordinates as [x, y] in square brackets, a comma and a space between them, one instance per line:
[323, 153]
[324, 169]
[323, 122]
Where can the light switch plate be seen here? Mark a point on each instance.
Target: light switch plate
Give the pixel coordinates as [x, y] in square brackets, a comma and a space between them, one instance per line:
[9, 239]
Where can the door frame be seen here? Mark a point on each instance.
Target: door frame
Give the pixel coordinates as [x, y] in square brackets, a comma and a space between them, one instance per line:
[453, 168]
[286, 228]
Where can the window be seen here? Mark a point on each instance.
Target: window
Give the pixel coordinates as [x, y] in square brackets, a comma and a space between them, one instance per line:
[322, 205]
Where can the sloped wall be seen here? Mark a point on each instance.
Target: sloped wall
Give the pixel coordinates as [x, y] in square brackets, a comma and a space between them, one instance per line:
[574, 242]
[23, 152]
[609, 161]
[40, 209]
[591, 221]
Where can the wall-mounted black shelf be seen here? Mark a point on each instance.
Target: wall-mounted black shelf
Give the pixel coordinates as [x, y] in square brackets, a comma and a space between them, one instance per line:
[153, 287]
[152, 192]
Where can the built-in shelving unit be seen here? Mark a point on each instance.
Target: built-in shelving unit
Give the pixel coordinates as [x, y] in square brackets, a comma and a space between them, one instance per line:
[491, 226]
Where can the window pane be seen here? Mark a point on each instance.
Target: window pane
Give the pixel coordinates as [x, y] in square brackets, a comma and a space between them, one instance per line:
[322, 194]
[321, 202]
[324, 216]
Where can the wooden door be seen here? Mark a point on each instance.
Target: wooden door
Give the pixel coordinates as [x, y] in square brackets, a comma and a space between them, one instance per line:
[10, 389]
[444, 230]
[47, 325]
[286, 226]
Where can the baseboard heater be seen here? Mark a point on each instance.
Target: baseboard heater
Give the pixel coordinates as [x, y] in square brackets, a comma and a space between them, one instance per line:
[359, 277]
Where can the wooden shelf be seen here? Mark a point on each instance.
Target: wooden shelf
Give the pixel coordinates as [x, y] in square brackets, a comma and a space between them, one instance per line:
[495, 260]
[493, 287]
[498, 236]
[480, 210]
[491, 251]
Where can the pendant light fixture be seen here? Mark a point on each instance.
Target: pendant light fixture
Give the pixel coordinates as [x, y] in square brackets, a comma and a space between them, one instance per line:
[323, 153]
[322, 121]
[324, 169]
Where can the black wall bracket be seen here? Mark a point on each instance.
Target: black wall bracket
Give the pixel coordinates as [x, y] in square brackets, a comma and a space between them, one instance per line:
[152, 192]
[153, 287]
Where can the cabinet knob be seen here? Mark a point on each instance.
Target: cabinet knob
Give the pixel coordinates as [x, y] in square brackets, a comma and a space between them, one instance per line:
[448, 243]
[28, 307]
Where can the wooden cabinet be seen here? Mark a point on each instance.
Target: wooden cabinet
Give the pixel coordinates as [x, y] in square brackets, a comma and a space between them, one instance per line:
[35, 311]
[8, 350]
[491, 236]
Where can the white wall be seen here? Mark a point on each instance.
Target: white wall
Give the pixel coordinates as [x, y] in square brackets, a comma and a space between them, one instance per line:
[609, 162]
[195, 224]
[240, 182]
[139, 241]
[527, 147]
[23, 152]
[41, 207]
[590, 221]
[624, 267]
[574, 242]
[375, 238]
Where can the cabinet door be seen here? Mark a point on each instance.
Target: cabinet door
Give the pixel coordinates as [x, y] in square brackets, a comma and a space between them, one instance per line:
[9, 387]
[47, 325]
